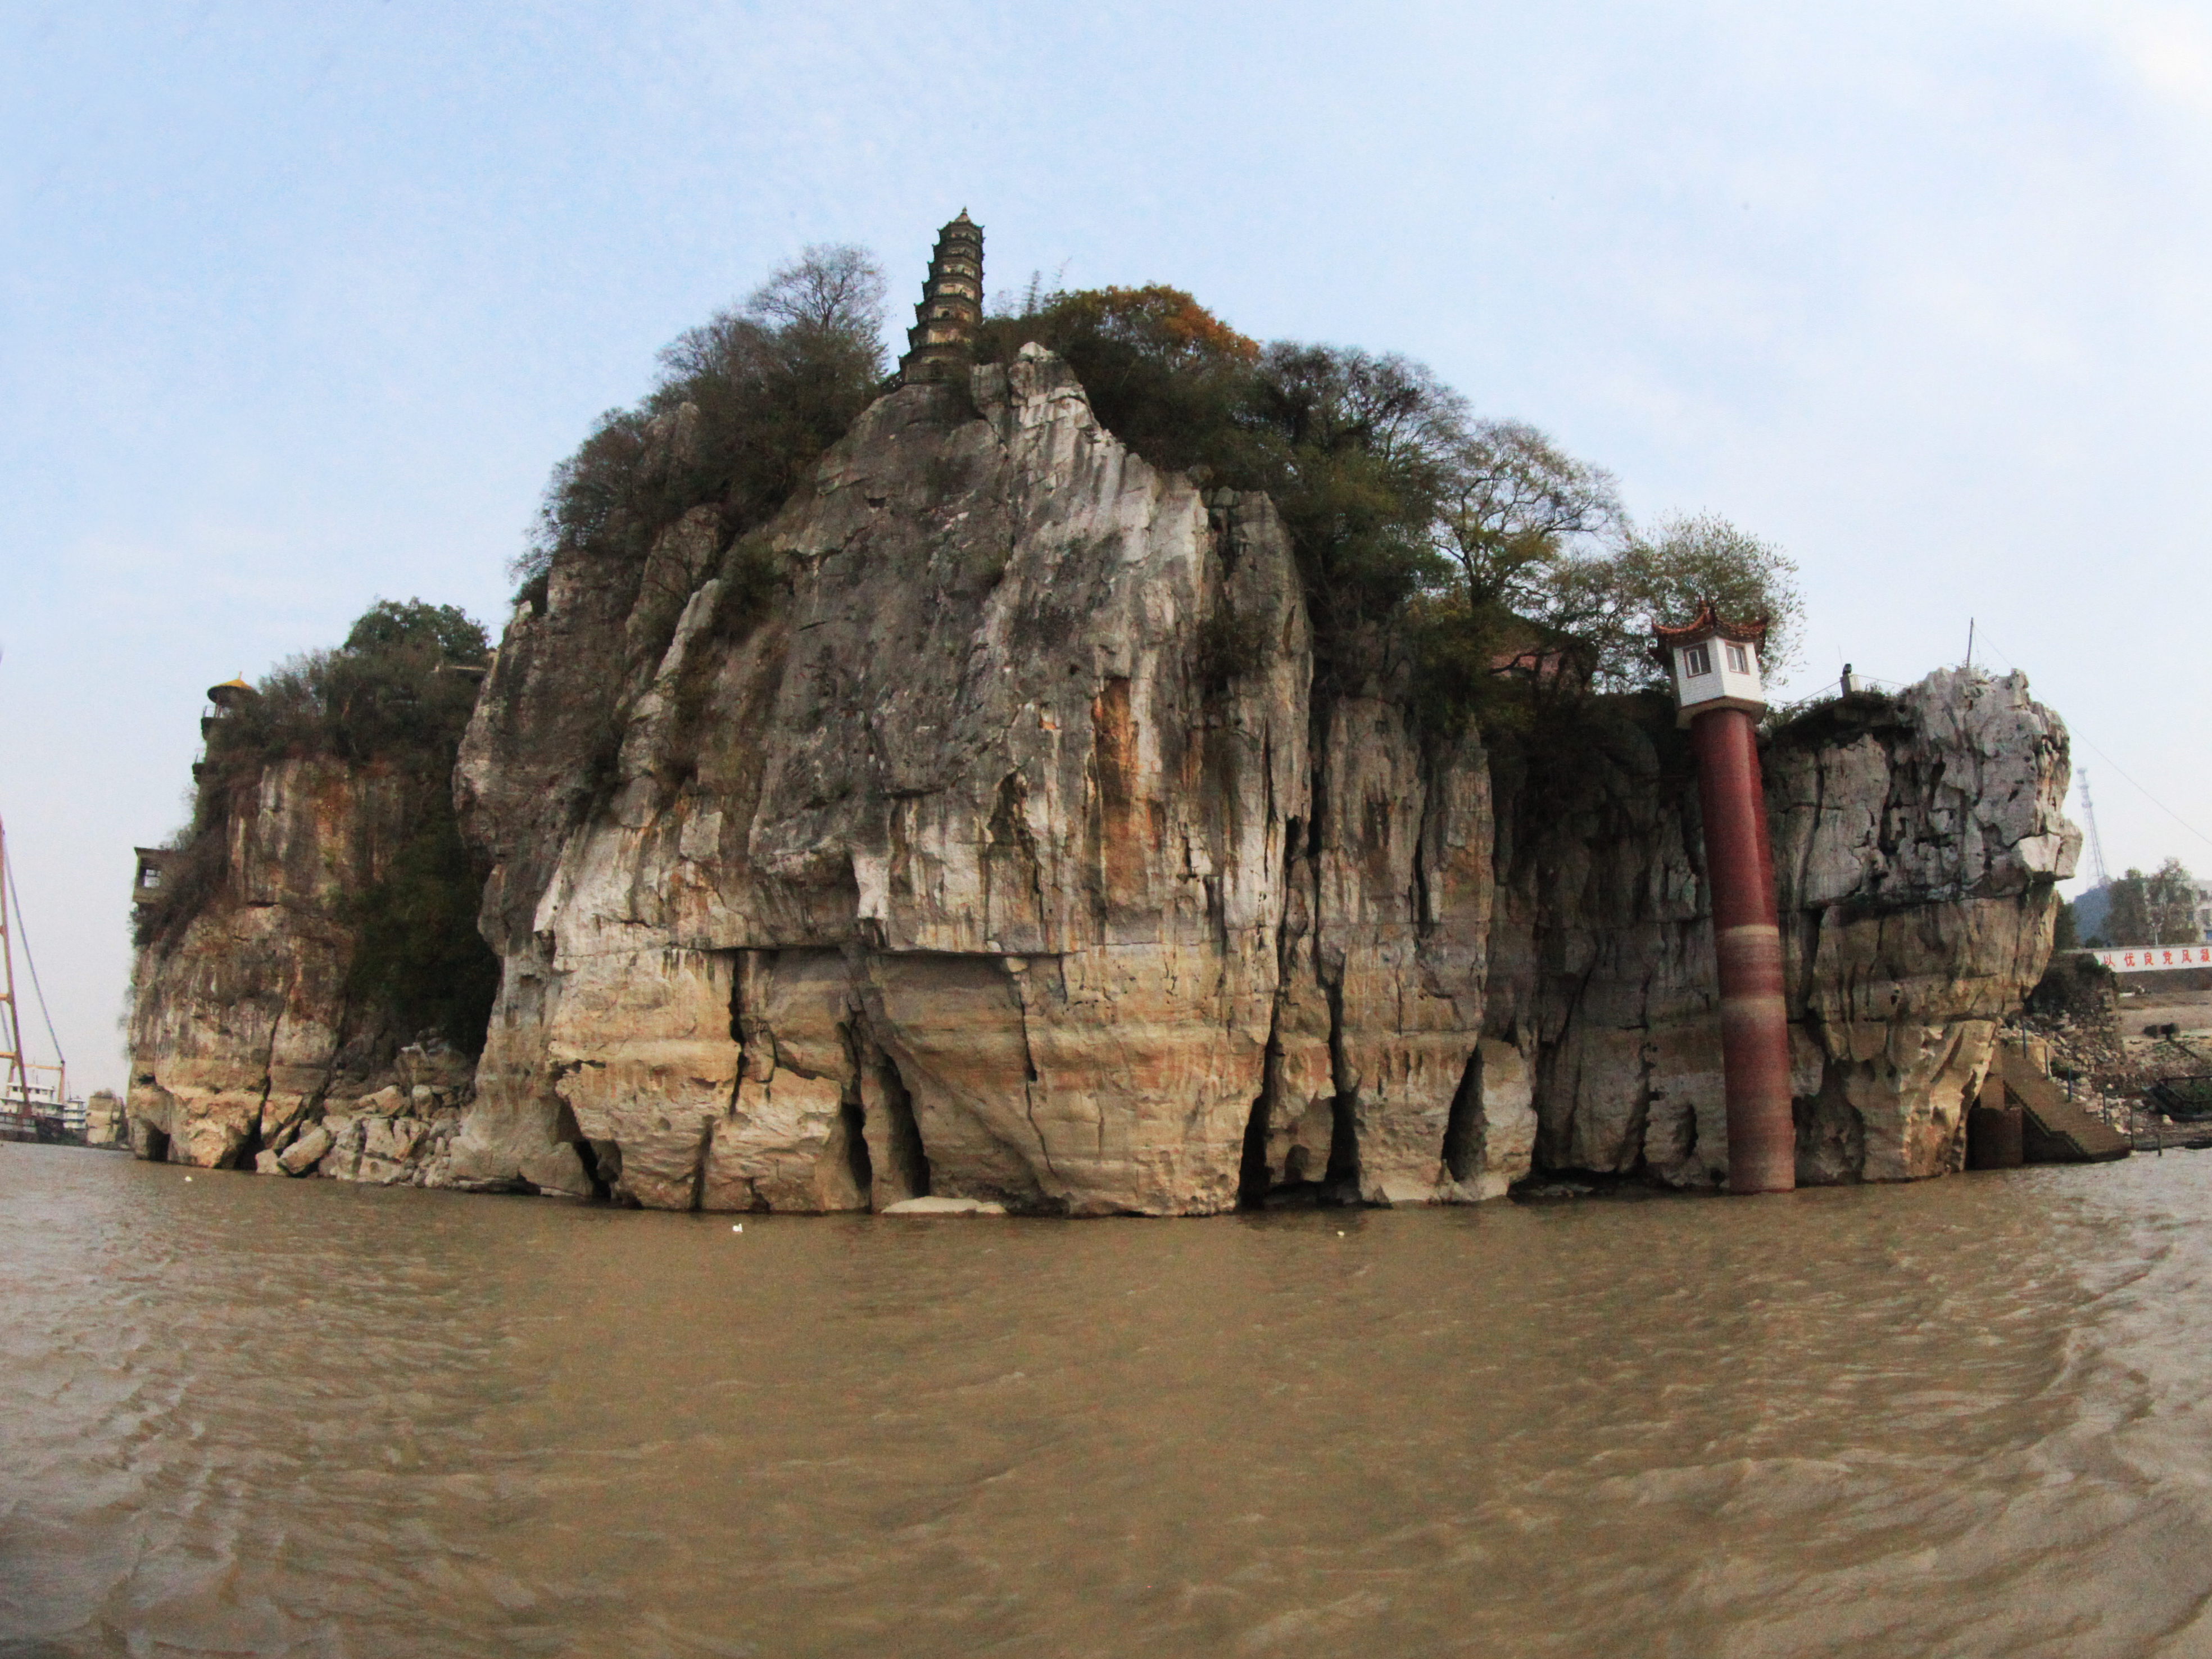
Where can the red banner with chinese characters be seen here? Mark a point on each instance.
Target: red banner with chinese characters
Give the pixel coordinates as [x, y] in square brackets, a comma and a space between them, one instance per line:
[2149, 958]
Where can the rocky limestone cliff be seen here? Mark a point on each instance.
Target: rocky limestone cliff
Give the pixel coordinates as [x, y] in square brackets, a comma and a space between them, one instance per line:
[242, 1031]
[1917, 843]
[961, 876]
[1013, 859]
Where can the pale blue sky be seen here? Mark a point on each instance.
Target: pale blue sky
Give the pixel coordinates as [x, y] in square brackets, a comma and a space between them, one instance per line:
[299, 304]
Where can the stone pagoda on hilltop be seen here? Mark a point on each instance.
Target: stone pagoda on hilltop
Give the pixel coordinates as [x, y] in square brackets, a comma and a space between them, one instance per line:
[951, 308]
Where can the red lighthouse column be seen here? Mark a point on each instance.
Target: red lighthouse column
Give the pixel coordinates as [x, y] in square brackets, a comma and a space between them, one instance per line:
[1717, 682]
[1762, 1138]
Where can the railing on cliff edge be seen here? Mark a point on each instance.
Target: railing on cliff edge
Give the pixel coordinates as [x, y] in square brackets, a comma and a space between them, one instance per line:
[1781, 713]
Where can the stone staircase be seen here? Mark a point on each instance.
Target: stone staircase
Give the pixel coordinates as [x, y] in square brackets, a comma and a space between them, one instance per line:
[2056, 1130]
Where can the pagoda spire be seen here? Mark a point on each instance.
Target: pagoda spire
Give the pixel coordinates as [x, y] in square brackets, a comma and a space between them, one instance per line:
[951, 308]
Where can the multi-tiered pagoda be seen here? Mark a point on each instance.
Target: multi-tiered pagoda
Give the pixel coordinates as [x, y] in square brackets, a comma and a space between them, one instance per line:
[951, 308]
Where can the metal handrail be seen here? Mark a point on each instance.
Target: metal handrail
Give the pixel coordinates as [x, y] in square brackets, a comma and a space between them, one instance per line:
[1821, 699]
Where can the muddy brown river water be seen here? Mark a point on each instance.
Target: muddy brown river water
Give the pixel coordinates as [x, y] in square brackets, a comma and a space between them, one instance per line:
[245, 1415]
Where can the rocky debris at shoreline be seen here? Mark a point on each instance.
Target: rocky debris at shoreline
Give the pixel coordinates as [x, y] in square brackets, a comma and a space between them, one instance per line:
[2109, 1048]
[393, 1137]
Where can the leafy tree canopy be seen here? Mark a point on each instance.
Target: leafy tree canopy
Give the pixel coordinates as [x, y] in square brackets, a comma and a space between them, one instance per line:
[418, 961]
[389, 625]
[1482, 539]
[1613, 598]
[745, 405]
[2158, 908]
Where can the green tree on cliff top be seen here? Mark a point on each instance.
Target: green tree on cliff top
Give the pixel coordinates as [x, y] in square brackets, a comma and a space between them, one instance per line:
[745, 406]
[1471, 538]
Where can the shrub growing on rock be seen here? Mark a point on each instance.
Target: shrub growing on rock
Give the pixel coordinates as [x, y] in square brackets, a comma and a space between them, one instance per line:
[745, 405]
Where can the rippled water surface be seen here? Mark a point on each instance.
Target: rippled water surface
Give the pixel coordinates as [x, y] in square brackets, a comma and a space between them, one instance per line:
[247, 1415]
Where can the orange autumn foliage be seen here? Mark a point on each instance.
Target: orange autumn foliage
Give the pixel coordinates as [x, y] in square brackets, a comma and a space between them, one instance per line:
[1166, 319]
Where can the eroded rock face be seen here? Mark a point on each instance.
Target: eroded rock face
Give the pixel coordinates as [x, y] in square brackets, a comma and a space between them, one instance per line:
[1917, 842]
[961, 876]
[987, 869]
[1011, 860]
[105, 1124]
[235, 1029]
[1384, 954]
[1916, 850]
[241, 1032]
[1602, 975]
[1015, 861]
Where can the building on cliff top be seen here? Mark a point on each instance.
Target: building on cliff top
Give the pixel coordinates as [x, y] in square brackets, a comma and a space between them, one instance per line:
[1714, 664]
[951, 308]
[152, 867]
[232, 694]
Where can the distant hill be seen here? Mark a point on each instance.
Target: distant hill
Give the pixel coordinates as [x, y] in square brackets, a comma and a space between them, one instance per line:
[2089, 912]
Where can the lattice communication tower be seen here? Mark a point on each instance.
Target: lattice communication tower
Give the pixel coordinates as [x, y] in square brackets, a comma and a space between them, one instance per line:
[2096, 844]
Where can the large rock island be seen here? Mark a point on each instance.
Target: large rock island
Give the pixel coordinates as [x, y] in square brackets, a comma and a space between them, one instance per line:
[980, 831]
[982, 867]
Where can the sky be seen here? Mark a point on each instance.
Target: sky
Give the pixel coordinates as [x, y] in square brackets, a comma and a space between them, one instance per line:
[300, 304]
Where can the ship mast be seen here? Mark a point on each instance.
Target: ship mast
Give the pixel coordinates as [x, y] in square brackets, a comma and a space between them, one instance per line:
[14, 1092]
